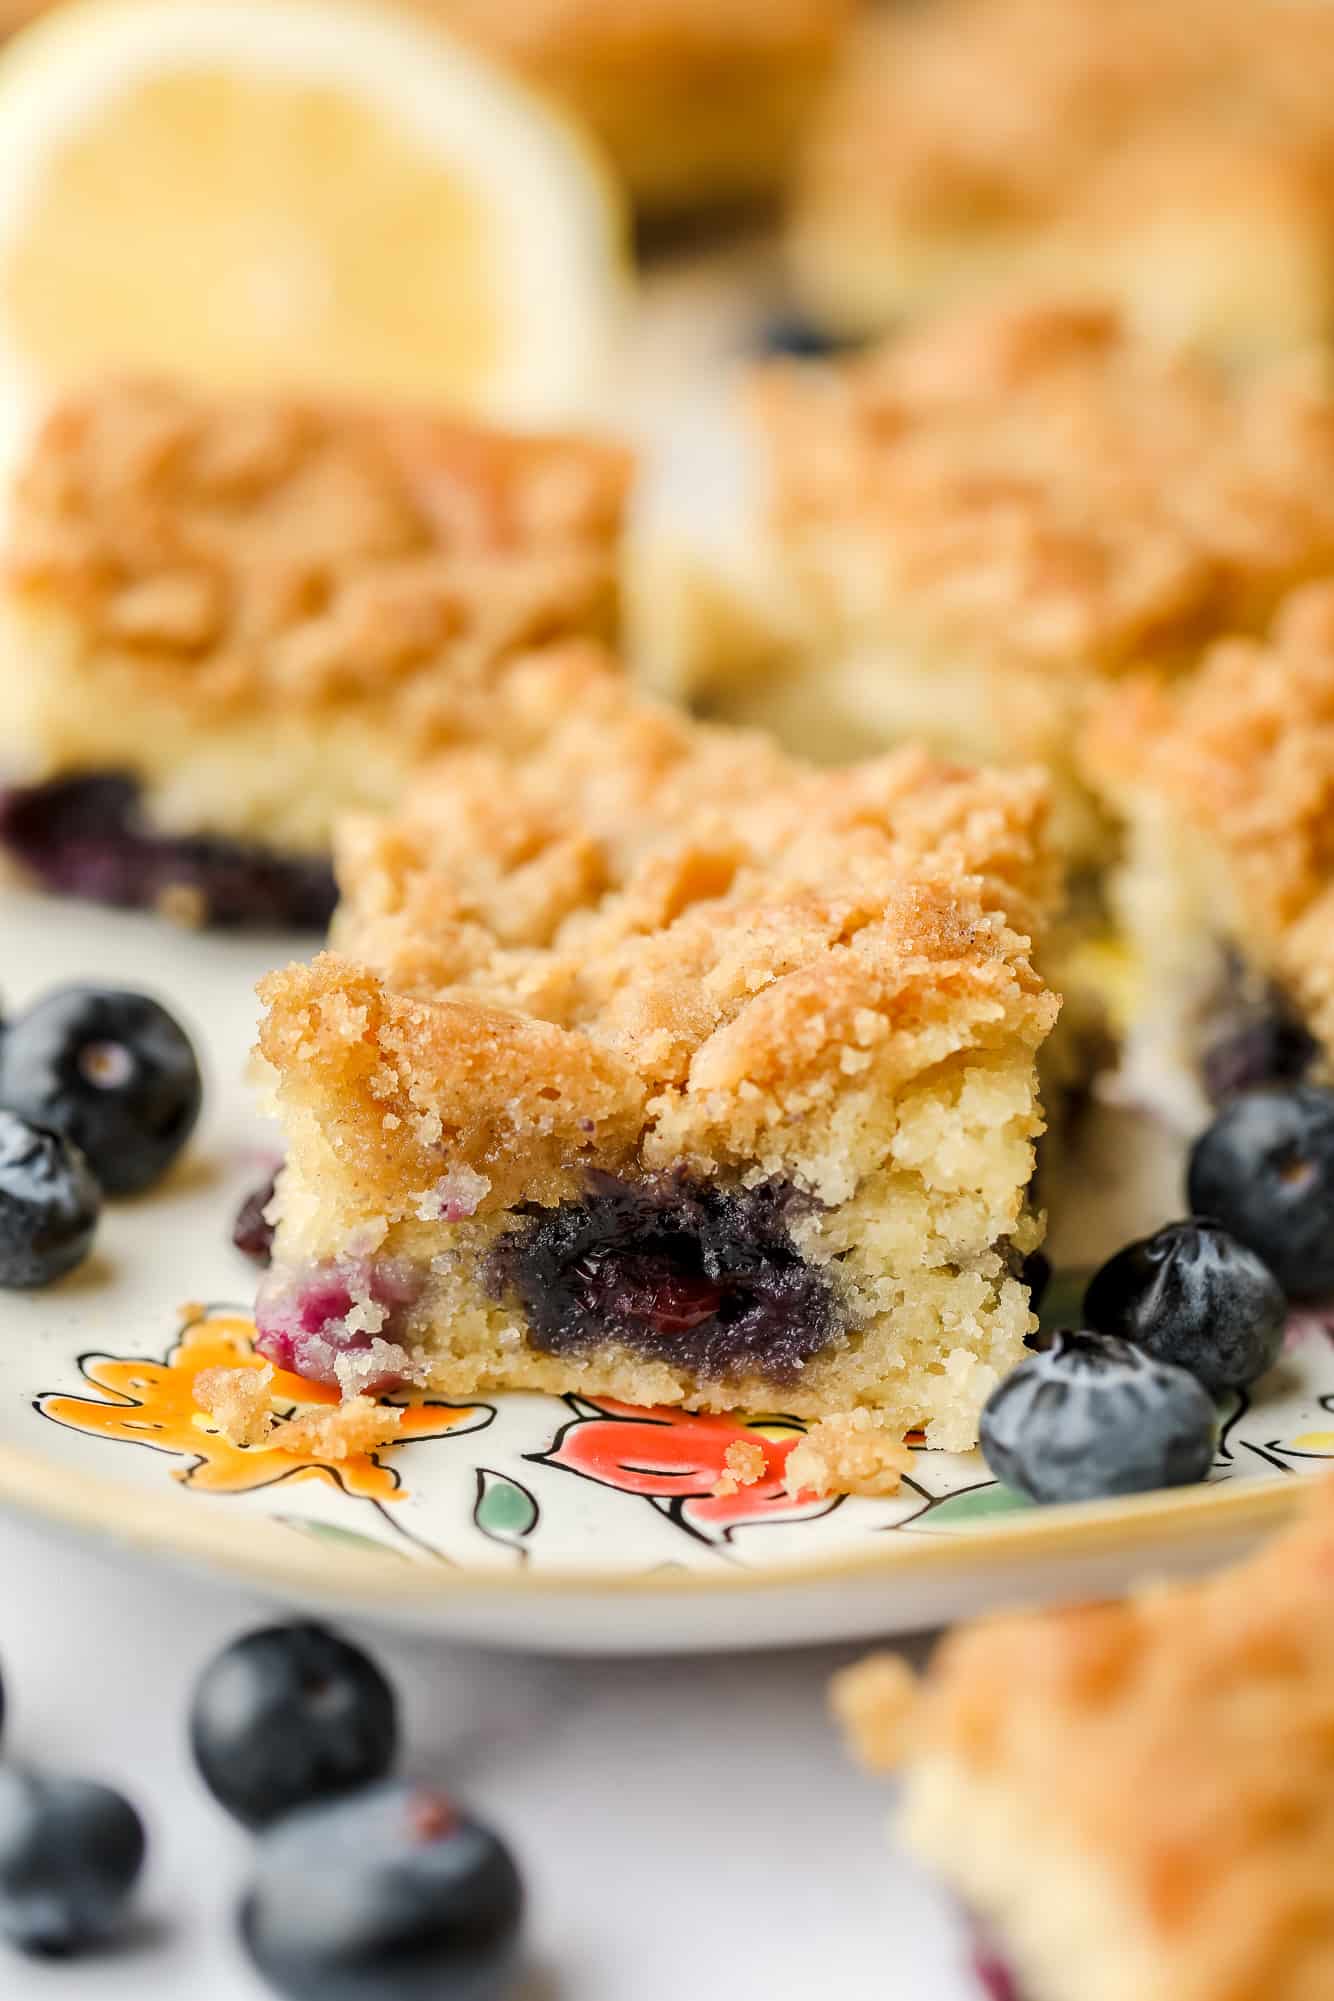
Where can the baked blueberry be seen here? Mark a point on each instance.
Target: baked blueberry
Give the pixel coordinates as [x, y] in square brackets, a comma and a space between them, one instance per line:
[390, 1896]
[252, 1232]
[70, 1855]
[111, 1070]
[1261, 1046]
[1092, 1415]
[1265, 1169]
[675, 1268]
[1191, 1294]
[288, 1715]
[87, 836]
[49, 1204]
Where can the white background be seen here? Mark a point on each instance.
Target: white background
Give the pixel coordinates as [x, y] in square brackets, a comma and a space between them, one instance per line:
[690, 1830]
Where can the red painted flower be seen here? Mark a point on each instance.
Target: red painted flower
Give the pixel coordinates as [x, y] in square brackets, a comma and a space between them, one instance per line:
[679, 1461]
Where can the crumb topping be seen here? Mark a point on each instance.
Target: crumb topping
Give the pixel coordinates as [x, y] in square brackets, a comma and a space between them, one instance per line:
[875, 1701]
[240, 1403]
[1034, 484]
[238, 1400]
[850, 1452]
[660, 939]
[916, 132]
[1242, 754]
[1182, 1741]
[246, 551]
[744, 1462]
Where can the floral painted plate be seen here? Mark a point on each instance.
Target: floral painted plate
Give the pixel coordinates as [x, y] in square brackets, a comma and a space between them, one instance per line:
[528, 1520]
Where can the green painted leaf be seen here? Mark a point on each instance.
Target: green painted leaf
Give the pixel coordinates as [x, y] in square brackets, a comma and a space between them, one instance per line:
[976, 1504]
[504, 1510]
[348, 1538]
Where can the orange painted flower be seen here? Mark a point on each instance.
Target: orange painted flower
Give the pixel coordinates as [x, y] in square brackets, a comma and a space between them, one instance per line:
[152, 1403]
[679, 1460]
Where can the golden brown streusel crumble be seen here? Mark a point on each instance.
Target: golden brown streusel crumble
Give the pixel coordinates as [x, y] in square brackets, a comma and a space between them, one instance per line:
[239, 1401]
[1237, 766]
[1140, 1794]
[975, 144]
[658, 949]
[279, 553]
[851, 1453]
[744, 1462]
[978, 525]
[267, 608]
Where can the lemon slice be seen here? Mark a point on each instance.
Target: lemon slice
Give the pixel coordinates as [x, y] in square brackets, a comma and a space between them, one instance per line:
[292, 193]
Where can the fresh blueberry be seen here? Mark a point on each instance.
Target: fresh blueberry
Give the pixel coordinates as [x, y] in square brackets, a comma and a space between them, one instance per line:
[70, 1854]
[49, 1204]
[1035, 1273]
[390, 1896]
[1263, 1045]
[288, 1715]
[1265, 1169]
[799, 339]
[1193, 1295]
[252, 1232]
[112, 1071]
[1091, 1416]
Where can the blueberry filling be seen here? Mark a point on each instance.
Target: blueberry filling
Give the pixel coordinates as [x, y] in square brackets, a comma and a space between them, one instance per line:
[675, 1268]
[86, 837]
[339, 1324]
[1253, 1037]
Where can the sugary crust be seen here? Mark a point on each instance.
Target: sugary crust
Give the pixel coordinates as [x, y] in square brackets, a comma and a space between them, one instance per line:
[1241, 756]
[1034, 489]
[654, 939]
[229, 555]
[1179, 1745]
[916, 146]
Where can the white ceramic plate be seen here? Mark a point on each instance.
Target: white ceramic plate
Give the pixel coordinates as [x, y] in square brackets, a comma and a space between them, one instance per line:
[527, 1520]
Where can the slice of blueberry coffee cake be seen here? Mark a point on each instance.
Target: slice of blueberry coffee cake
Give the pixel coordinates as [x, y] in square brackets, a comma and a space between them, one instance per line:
[1224, 894]
[661, 1066]
[1135, 1801]
[227, 618]
[1179, 158]
[986, 520]
[698, 105]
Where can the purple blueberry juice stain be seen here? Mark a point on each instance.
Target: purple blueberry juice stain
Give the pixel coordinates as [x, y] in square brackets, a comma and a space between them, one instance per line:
[995, 1976]
[674, 1268]
[86, 836]
[302, 1320]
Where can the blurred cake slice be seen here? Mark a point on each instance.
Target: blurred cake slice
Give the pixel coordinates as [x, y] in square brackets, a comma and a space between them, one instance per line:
[654, 1064]
[1179, 158]
[225, 619]
[1224, 892]
[1134, 1801]
[698, 102]
[981, 524]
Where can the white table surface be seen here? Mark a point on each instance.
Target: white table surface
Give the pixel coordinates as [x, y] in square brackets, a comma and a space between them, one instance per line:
[690, 1830]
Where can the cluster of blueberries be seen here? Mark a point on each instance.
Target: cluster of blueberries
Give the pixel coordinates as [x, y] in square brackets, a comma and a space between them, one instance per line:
[99, 1091]
[366, 1887]
[1128, 1403]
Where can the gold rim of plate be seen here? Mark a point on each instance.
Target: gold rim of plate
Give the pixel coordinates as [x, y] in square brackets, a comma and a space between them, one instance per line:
[1174, 1520]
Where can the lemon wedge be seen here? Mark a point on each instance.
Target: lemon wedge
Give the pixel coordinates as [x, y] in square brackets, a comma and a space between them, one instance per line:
[297, 193]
